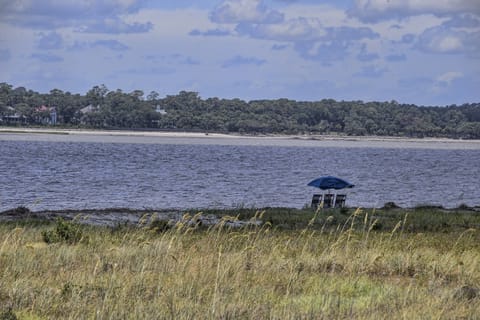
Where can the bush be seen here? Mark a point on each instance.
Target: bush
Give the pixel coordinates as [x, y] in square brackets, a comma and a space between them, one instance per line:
[8, 315]
[390, 205]
[159, 226]
[18, 211]
[64, 231]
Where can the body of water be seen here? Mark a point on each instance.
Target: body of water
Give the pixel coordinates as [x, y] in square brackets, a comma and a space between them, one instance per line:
[87, 171]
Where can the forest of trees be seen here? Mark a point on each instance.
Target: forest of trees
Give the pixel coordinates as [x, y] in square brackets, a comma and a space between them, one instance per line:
[187, 111]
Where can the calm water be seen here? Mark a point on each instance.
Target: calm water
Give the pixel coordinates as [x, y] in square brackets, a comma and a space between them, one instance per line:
[81, 171]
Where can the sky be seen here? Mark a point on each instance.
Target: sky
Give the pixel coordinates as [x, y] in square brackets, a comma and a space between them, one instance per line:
[424, 52]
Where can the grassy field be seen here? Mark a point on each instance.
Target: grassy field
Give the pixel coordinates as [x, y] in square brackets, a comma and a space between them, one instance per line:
[345, 264]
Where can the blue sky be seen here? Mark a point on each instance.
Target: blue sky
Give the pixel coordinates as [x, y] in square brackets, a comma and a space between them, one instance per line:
[423, 52]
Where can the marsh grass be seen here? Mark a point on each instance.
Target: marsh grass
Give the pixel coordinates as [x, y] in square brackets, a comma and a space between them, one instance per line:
[338, 265]
[65, 231]
[420, 219]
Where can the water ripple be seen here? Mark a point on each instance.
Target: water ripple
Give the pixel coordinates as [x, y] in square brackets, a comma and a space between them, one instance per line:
[78, 175]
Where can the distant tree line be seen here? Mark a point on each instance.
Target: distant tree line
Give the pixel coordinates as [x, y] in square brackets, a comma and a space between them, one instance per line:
[102, 108]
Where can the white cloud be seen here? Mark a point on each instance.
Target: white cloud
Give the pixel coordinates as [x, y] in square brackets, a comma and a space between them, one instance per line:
[328, 14]
[242, 61]
[173, 23]
[366, 56]
[103, 16]
[310, 37]
[445, 40]
[47, 57]
[396, 57]
[371, 71]
[70, 8]
[300, 29]
[48, 41]
[448, 77]
[254, 11]
[445, 82]
[376, 10]
[110, 44]
[465, 21]
[449, 43]
[114, 25]
[217, 32]
[440, 42]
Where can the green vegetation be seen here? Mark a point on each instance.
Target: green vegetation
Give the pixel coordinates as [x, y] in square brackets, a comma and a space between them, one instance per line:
[65, 231]
[299, 264]
[102, 108]
[420, 219]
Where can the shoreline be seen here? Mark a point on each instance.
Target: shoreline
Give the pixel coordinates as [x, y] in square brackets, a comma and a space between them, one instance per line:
[206, 135]
[113, 217]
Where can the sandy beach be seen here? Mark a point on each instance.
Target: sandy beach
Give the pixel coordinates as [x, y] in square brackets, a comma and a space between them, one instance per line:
[186, 134]
[164, 134]
[184, 137]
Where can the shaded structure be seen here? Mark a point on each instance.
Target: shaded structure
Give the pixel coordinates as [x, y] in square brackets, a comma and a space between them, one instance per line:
[329, 200]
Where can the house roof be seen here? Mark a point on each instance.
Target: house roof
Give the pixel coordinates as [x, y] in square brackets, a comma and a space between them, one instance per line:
[160, 110]
[42, 108]
[88, 109]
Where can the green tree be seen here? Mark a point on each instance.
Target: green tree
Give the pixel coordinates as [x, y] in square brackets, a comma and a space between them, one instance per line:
[96, 95]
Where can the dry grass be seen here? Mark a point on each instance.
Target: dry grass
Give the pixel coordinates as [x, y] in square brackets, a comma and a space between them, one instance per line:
[256, 273]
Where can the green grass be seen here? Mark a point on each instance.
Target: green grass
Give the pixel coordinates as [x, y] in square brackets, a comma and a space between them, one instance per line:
[422, 219]
[300, 264]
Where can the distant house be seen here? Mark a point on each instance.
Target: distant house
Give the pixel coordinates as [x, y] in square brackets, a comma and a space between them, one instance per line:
[89, 115]
[158, 109]
[13, 117]
[45, 115]
[42, 108]
[89, 109]
[53, 116]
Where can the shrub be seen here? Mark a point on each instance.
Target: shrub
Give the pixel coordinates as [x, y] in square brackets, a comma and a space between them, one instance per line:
[22, 210]
[159, 225]
[65, 231]
[390, 205]
[18, 211]
[8, 315]
[463, 206]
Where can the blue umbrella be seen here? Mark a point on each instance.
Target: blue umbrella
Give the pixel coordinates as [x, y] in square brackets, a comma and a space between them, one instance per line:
[330, 182]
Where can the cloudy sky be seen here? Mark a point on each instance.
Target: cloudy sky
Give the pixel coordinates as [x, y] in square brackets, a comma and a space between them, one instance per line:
[425, 52]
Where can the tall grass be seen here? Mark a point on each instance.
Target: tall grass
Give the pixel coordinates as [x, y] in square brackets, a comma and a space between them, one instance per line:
[323, 271]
